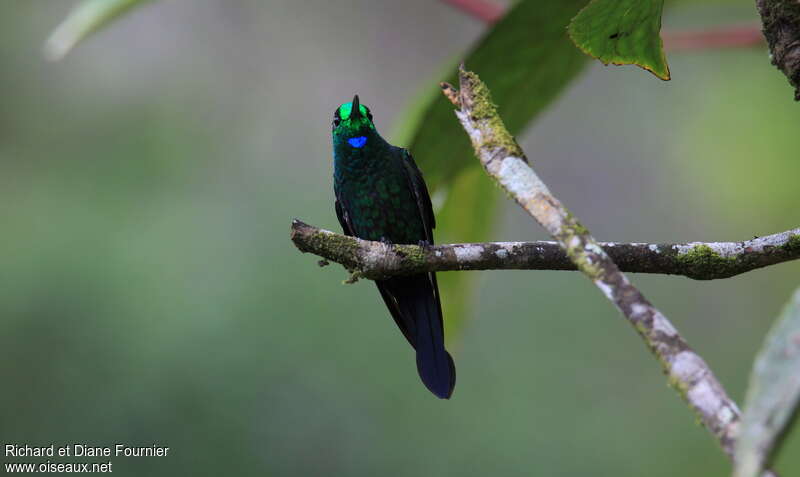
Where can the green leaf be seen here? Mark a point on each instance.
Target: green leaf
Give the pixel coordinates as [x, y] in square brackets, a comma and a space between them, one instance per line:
[773, 395]
[622, 32]
[527, 59]
[86, 18]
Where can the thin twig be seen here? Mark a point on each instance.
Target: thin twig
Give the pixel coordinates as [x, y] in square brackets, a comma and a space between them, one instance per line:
[505, 161]
[698, 260]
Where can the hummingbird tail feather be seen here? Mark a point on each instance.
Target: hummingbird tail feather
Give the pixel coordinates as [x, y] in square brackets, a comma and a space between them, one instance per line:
[434, 363]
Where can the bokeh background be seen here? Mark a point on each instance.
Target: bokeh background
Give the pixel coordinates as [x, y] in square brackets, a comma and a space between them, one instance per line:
[149, 292]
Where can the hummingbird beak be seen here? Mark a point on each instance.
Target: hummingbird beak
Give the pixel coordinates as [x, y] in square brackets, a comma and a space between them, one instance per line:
[355, 112]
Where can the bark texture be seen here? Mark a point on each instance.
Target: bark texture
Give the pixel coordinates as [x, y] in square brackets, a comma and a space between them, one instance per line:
[505, 161]
[781, 20]
[697, 260]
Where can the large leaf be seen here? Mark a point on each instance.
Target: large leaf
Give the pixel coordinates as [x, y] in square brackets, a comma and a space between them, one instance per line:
[86, 18]
[527, 59]
[773, 395]
[622, 32]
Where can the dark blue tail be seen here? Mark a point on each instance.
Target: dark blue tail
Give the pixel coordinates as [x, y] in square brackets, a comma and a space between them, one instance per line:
[418, 314]
[434, 364]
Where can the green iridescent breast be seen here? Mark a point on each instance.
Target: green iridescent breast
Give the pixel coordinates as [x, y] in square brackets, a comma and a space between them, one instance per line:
[380, 203]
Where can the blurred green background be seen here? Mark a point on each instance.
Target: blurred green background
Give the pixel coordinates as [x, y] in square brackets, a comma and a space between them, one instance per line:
[149, 292]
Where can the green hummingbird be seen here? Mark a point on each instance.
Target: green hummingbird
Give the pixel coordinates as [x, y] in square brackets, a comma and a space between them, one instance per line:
[381, 195]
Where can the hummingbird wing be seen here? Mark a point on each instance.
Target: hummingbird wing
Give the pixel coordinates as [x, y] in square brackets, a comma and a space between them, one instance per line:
[344, 219]
[403, 320]
[417, 184]
[434, 363]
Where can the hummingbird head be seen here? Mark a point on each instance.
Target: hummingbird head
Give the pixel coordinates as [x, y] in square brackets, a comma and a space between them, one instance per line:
[352, 123]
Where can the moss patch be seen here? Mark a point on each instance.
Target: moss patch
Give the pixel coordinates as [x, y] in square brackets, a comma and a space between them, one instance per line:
[793, 244]
[703, 263]
[412, 255]
[482, 108]
[338, 248]
[576, 227]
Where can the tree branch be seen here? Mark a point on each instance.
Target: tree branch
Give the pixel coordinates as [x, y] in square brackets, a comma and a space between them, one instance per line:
[697, 260]
[505, 161]
[781, 19]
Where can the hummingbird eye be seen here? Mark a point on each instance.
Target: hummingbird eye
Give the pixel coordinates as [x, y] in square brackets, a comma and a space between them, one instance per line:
[369, 115]
[336, 122]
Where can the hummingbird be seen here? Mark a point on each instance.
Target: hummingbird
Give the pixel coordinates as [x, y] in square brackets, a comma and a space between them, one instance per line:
[381, 196]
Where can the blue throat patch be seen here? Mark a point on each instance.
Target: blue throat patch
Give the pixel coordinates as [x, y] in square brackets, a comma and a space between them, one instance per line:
[357, 141]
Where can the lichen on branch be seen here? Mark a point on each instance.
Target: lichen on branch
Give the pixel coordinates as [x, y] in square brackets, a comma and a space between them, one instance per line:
[697, 260]
[687, 372]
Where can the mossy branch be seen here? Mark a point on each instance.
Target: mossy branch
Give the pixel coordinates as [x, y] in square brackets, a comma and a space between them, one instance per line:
[507, 164]
[697, 260]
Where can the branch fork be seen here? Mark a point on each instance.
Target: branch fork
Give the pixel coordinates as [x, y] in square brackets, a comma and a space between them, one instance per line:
[505, 161]
[575, 248]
